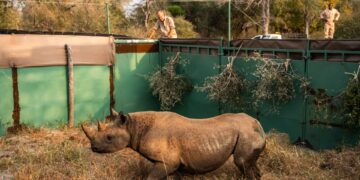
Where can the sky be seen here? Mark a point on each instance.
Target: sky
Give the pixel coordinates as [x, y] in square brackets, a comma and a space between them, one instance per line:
[130, 6]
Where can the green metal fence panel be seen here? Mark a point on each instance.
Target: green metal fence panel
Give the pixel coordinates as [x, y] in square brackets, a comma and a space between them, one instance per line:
[245, 69]
[290, 116]
[42, 96]
[6, 100]
[196, 104]
[91, 92]
[131, 90]
[331, 77]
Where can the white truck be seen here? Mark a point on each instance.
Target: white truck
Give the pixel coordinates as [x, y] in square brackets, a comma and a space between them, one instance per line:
[268, 36]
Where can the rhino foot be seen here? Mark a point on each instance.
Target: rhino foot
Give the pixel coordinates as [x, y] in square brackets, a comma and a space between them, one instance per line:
[161, 170]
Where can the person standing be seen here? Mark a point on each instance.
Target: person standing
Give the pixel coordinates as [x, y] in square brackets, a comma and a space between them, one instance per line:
[330, 16]
[166, 26]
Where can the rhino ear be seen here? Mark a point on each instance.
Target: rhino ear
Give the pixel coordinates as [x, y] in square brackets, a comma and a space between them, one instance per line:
[122, 120]
[114, 113]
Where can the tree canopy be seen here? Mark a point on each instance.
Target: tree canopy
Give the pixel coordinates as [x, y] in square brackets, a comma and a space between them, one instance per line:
[193, 19]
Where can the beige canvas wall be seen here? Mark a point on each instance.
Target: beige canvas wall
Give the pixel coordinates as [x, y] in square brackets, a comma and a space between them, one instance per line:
[18, 50]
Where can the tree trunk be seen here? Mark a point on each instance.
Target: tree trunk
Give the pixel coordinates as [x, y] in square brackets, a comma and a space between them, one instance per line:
[266, 15]
[147, 13]
[307, 19]
[70, 65]
[307, 27]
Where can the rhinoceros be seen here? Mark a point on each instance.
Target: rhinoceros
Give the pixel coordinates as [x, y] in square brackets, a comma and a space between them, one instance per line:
[175, 142]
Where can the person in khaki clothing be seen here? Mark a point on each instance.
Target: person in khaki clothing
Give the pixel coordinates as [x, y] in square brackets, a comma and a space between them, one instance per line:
[166, 26]
[330, 16]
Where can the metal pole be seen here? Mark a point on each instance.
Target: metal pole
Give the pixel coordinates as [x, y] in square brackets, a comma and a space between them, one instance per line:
[229, 23]
[108, 18]
[306, 74]
[220, 54]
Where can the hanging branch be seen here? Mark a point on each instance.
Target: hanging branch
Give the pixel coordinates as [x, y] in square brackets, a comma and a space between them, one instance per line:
[344, 106]
[168, 86]
[351, 101]
[275, 82]
[226, 87]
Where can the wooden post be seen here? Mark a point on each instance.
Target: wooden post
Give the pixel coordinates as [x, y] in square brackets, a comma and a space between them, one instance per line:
[70, 79]
[16, 111]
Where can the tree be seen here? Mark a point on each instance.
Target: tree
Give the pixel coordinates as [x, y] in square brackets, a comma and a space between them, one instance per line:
[312, 10]
[147, 12]
[266, 16]
[10, 17]
[184, 28]
[176, 10]
[349, 25]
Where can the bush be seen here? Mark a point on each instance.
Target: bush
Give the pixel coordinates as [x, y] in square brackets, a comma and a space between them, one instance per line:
[184, 28]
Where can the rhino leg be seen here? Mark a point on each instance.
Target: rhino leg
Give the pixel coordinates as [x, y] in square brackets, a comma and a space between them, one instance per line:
[248, 167]
[245, 158]
[161, 170]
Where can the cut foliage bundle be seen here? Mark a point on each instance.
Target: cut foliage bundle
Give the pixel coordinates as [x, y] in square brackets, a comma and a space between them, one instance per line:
[167, 85]
[275, 82]
[351, 102]
[225, 87]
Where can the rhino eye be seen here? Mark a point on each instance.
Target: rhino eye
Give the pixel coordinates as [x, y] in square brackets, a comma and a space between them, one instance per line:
[109, 137]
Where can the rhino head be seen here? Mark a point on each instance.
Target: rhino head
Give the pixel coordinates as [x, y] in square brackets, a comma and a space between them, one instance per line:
[109, 138]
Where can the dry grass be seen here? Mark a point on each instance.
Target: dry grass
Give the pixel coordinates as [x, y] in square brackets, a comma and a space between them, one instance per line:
[65, 154]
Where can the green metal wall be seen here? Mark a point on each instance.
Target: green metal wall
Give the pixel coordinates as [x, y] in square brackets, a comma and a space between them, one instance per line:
[331, 77]
[43, 94]
[196, 104]
[293, 117]
[290, 116]
[132, 91]
[6, 100]
[91, 92]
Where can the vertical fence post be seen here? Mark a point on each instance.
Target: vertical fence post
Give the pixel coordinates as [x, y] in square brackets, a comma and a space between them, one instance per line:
[111, 79]
[16, 110]
[220, 54]
[307, 57]
[160, 52]
[70, 79]
[108, 18]
[229, 22]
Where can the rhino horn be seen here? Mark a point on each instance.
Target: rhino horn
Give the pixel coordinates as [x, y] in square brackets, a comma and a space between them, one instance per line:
[89, 134]
[101, 126]
[114, 112]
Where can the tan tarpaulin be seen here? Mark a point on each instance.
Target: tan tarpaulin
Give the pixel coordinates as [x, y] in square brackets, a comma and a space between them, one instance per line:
[18, 50]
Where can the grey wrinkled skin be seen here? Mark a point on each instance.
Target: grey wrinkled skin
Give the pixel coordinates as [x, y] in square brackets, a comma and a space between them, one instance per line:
[172, 141]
